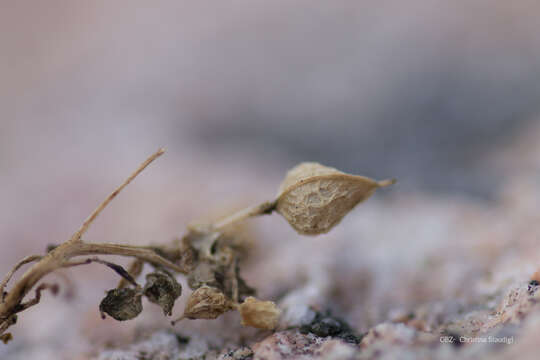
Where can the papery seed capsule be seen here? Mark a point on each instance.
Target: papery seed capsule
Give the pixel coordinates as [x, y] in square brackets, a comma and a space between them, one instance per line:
[259, 314]
[206, 303]
[314, 198]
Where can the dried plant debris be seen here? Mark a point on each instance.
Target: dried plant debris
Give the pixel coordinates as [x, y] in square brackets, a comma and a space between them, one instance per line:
[259, 314]
[313, 198]
[206, 303]
[327, 325]
[216, 264]
[162, 288]
[122, 304]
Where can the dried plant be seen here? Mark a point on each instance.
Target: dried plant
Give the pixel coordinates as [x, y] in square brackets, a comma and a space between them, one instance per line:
[312, 198]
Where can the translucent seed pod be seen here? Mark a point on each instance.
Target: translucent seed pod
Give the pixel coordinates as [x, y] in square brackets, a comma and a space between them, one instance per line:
[314, 198]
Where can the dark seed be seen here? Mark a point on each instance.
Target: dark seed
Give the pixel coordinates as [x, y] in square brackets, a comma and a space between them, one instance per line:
[121, 304]
[162, 289]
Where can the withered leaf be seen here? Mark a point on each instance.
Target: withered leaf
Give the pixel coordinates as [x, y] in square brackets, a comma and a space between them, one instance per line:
[314, 198]
[122, 304]
[162, 289]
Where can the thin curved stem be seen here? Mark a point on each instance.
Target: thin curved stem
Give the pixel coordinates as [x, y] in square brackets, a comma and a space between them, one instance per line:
[12, 302]
[138, 252]
[86, 224]
[10, 274]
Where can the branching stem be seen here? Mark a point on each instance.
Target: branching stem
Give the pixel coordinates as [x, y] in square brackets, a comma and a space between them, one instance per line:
[24, 261]
[12, 302]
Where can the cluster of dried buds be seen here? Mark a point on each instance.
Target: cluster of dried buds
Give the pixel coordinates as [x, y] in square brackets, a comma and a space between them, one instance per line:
[312, 198]
[210, 259]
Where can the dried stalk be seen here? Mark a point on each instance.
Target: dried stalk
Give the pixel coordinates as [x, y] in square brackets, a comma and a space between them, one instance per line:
[264, 208]
[24, 261]
[12, 302]
[313, 198]
[86, 224]
[134, 270]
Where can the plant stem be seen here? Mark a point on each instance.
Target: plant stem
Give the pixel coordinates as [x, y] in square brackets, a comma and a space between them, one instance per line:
[264, 208]
[86, 224]
[59, 257]
[24, 261]
[141, 253]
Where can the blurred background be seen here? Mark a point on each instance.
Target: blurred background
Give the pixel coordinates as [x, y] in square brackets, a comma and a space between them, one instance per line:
[429, 92]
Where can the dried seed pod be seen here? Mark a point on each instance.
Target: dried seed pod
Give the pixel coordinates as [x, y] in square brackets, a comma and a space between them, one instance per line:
[162, 289]
[314, 198]
[206, 303]
[121, 304]
[259, 314]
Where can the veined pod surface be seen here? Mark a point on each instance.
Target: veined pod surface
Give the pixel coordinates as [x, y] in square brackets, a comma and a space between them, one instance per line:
[206, 303]
[314, 198]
